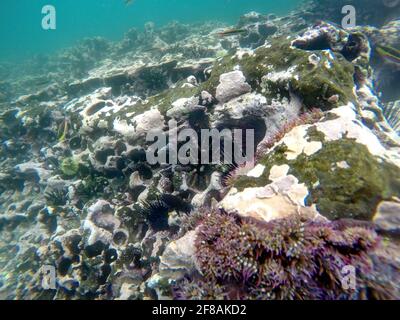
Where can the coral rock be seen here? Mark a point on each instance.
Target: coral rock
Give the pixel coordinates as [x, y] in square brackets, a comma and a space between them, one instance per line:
[232, 84]
[178, 257]
[284, 197]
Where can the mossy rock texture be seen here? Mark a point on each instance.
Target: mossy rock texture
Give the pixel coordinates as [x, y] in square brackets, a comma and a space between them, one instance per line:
[313, 84]
[69, 167]
[343, 178]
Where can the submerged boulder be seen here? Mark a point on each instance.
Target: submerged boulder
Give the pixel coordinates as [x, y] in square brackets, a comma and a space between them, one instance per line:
[231, 85]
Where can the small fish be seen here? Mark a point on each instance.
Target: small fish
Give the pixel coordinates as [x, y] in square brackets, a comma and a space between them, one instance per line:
[128, 2]
[231, 32]
[154, 50]
[389, 54]
[63, 131]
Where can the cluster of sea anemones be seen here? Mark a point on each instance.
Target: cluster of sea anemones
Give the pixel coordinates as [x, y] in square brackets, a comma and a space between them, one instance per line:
[290, 258]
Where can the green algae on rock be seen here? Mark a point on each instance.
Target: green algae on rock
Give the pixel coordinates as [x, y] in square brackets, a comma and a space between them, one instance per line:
[344, 166]
[345, 180]
[319, 80]
[277, 67]
[69, 167]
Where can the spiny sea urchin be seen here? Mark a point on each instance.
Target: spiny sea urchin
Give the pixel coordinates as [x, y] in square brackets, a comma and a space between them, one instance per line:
[156, 211]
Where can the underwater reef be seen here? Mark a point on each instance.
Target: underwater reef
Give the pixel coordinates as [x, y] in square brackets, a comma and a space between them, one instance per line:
[321, 194]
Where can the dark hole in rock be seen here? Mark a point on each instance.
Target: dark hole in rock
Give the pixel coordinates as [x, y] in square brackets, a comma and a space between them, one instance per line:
[319, 43]
[132, 256]
[102, 155]
[152, 293]
[114, 166]
[105, 271]
[120, 147]
[199, 120]
[84, 144]
[75, 143]
[90, 295]
[144, 170]
[136, 191]
[95, 249]
[110, 256]
[186, 194]
[85, 271]
[74, 246]
[45, 120]
[80, 204]
[353, 48]
[76, 258]
[52, 162]
[120, 237]
[119, 163]
[63, 265]
[137, 155]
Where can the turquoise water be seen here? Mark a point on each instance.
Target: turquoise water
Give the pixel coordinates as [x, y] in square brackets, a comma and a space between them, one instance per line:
[22, 35]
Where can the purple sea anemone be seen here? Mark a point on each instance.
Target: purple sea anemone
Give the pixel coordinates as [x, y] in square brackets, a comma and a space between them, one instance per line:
[291, 258]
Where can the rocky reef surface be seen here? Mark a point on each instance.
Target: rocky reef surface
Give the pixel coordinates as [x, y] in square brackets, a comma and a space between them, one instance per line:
[322, 193]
